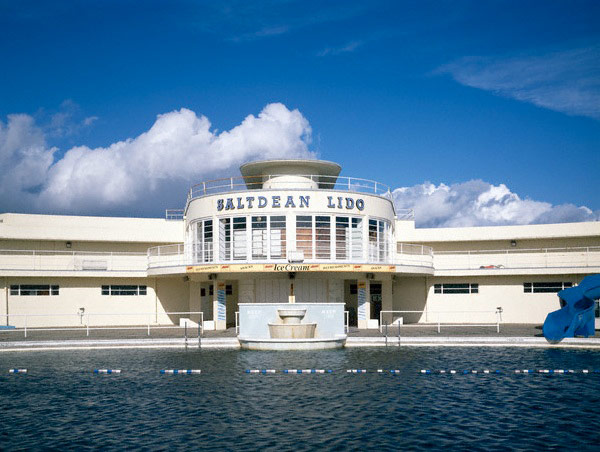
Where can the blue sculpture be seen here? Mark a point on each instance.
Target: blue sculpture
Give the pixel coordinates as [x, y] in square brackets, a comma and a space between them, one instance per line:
[576, 315]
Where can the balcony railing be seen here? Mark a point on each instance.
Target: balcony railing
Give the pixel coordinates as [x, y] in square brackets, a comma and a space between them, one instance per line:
[571, 257]
[181, 255]
[341, 183]
[414, 255]
[39, 260]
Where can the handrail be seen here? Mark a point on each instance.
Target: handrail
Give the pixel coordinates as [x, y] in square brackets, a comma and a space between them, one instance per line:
[339, 183]
[523, 250]
[497, 312]
[79, 316]
[72, 253]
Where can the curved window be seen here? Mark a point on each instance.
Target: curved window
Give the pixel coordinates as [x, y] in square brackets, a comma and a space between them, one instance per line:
[379, 233]
[203, 243]
[264, 238]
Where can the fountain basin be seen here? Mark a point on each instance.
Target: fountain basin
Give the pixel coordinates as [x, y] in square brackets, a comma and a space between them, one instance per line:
[292, 344]
[291, 316]
[292, 331]
[285, 326]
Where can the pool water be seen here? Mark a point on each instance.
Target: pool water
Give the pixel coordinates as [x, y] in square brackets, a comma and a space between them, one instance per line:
[61, 404]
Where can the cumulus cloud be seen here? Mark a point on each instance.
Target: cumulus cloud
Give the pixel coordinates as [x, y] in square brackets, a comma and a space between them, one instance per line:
[24, 161]
[565, 81]
[479, 203]
[136, 175]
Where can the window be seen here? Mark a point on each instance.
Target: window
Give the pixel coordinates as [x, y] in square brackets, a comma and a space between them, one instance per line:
[545, 287]
[456, 288]
[353, 289]
[259, 237]
[239, 238]
[228, 289]
[323, 237]
[304, 235]
[278, 236]
[379, 232]
[34, 290]
[357, 239]
[204, 241]
[342, 238]
[232, 239]
[124, 290]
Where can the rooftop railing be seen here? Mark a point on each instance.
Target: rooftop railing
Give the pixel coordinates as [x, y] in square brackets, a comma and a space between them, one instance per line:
[174, 214]
[340, 183]
[38, 260]
[578, 257]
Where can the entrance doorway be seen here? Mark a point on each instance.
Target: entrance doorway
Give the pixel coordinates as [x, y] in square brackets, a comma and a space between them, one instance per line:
[351, 301]
[375, 292]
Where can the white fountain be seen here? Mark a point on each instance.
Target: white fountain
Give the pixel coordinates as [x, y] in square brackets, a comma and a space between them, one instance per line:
[281, 326]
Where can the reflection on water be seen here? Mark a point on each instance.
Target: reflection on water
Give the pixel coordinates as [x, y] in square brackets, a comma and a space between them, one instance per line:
[61, 404]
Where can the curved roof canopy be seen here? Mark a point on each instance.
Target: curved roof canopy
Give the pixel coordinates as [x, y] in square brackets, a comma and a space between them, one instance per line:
[325, 172]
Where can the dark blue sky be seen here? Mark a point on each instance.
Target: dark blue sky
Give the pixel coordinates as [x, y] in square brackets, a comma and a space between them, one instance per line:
[402, 92]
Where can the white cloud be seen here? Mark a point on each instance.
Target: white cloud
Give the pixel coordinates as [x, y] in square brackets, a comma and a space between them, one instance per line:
[136, 175]
[24, 161]
[478, 203]
[565, 81]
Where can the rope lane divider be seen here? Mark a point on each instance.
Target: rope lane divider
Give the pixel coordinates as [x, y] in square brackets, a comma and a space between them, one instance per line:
[358, 371]
[180, 371]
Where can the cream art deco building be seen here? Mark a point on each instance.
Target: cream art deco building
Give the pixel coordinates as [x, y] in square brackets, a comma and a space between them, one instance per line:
[285, 230]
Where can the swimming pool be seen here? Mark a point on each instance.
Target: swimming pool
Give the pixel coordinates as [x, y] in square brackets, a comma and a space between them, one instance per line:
[60, 403]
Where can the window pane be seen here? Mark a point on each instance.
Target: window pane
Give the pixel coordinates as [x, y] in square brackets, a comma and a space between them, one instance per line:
[14, 290]
[142, 290]
[259, 237]
[225, 239]
[342, 237]
[304, 235]
[105, 290]
[357, 239]
[323, 237]
[239, 238]
[278, 237]
[54, 290]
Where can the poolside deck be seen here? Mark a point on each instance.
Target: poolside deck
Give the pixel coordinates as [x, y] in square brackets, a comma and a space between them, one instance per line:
[426, 335]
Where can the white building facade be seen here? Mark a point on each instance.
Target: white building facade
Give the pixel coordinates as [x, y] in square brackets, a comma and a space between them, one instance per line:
[285, 230]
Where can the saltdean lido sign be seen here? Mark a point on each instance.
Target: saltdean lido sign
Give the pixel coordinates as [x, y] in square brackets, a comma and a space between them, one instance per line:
[287, 202]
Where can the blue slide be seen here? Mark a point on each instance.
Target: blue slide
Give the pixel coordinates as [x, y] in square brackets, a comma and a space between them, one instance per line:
[576, 315]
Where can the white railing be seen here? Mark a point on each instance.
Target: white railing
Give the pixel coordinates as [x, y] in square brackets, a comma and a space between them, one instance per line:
[244, 253]
[518, 258]
[337, 183]
[438, 319]
[82, 321]
[414, 255]
[71, 260]
[174, 214]
[405, 214]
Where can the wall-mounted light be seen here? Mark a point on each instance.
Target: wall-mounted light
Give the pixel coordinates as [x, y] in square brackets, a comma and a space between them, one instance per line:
[212, 276]
[68, 244]
[370, 276]
[513, 243]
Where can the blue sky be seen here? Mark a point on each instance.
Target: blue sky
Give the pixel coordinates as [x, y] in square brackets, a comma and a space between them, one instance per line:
[491, 108]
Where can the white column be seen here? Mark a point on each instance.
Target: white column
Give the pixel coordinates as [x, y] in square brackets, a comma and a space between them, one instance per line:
[219, 305]
[364, 304]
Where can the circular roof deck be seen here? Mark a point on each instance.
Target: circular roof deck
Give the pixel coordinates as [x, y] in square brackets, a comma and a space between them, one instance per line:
[328, 171]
